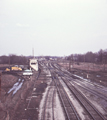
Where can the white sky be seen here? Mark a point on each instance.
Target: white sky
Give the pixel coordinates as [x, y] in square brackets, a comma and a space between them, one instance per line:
[52, 27]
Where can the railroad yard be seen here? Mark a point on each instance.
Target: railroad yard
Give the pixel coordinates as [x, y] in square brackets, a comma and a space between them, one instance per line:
[53, 59]
[55, 92]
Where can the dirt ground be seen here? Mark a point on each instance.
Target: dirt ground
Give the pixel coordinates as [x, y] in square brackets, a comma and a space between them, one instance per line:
[20, 105]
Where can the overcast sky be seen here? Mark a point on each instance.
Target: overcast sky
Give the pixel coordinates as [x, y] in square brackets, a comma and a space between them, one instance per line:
[52, 27]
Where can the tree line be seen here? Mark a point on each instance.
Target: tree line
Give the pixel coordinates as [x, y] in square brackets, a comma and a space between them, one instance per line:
[13, 59]
[98, 57]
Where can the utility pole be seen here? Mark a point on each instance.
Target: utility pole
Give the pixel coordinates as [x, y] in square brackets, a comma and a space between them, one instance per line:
[0, 83]
[84, 58]
[33, 52]
[70, 65]
[9, 62]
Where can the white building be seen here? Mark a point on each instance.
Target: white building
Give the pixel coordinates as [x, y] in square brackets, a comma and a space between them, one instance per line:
[33, 63]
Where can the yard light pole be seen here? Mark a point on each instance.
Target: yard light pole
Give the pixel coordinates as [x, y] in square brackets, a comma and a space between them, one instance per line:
[0, 83]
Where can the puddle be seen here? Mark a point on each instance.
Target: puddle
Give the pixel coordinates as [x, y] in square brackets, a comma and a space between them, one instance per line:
[16, 86]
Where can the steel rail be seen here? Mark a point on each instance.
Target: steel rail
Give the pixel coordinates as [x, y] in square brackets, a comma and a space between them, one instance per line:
[75, 94]
[60, 88]
[45, 105]
[80, 98]
[53, 104]
[93, 92]
[86, 88]
[98, 86]
[62, 101]
[90, 90]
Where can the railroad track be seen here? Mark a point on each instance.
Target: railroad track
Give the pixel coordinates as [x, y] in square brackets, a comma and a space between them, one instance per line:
[91, 110]
[31, 100]
[70, 112]
[95, 84]
[69, 77]
[48, 108]
[90, 90]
